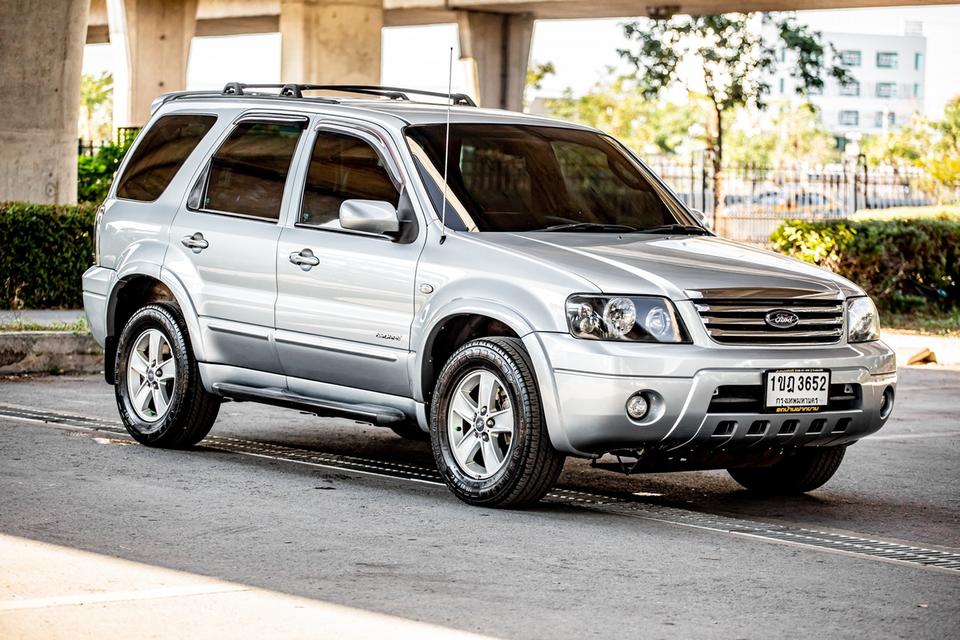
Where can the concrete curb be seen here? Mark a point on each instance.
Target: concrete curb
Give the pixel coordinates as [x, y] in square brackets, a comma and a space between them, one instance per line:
[49, 352]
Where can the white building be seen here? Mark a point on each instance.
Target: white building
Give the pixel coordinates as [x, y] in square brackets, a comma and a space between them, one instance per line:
[889, 87]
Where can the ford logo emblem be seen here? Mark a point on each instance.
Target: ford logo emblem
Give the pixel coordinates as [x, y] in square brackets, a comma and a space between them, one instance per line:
[781, 319]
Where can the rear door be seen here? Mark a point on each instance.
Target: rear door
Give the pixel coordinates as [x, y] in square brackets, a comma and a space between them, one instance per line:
[343, 317]
[223, 241]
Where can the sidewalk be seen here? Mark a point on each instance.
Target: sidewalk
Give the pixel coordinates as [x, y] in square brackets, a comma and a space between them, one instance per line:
[41, 316]
[50, 592]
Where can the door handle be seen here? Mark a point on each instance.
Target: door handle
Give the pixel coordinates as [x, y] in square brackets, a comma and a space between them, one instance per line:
[195, 242]
[304, 259]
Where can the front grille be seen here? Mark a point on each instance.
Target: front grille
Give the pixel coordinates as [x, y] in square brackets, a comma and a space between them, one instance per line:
[748, 398]
[743, 320]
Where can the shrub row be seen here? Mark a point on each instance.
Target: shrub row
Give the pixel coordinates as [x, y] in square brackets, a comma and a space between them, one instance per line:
[43, 252]
[905, 265]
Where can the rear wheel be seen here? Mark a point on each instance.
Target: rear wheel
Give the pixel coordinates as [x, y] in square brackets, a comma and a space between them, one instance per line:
[487, 429]
[805, 470]
[161, 399]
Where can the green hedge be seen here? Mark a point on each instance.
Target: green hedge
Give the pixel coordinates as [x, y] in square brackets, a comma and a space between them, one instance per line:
[906, 265]
[43, 252]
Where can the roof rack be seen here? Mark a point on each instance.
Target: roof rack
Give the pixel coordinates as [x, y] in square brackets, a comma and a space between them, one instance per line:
[292, 90]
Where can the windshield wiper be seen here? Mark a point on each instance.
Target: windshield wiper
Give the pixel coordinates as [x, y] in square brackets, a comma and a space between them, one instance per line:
[592, 227]
[687, 229]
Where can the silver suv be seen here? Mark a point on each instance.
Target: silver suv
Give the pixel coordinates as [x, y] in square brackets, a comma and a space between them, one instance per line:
[263, 245]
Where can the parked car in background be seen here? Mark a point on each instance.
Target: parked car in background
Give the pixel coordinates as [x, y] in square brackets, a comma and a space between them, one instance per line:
[541, 294]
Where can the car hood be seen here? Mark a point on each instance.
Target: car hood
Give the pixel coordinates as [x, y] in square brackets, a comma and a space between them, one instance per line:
[673, 265]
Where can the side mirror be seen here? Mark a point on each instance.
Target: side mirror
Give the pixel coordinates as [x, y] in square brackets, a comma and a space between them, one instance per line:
[699, 216]
[369, 216]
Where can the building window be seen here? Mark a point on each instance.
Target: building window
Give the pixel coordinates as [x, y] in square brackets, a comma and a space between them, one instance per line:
[878, 119]
[850, 89]
[886, 90]
[850, 58]
[892, 119]
[887, 59]
[849, 118]
[917, 61]
[782, 85]
[916, 89]
[783, 55]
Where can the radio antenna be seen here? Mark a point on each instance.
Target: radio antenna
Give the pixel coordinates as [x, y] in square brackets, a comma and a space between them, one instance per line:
[446, 152]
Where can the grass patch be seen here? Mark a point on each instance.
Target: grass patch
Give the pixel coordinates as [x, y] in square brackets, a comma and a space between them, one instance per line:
[80, 326]
[936, 324]
[937, 212]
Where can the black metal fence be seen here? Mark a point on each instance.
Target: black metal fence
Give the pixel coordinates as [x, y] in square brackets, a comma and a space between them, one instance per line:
[125, 136]
[756, 198]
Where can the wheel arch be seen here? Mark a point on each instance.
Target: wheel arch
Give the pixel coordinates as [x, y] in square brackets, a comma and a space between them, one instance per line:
[133, 290]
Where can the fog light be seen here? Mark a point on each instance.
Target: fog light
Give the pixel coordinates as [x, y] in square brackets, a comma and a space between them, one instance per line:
[886, 403]
[637, 406]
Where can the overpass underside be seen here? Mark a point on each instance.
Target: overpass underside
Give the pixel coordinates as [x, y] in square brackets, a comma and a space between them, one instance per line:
[322, 41]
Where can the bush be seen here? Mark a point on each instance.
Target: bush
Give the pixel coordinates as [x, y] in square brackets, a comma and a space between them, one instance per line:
[44, 250]
[907, 266]
[95, 173]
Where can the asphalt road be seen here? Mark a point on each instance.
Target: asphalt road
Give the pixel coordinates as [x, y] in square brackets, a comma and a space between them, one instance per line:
[348, 514]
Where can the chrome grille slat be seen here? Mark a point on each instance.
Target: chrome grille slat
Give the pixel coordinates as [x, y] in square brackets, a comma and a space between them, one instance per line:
[741, 320]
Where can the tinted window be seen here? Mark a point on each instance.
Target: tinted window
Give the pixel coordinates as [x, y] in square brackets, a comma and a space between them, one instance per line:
[160, 155]
[247, 173]
[525, 178]
[343, 167]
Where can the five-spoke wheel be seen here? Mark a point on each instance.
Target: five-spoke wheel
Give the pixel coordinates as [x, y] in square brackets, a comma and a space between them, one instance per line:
[151, 375]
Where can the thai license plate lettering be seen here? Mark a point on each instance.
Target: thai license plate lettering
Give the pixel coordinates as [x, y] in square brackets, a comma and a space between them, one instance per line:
[796, 390]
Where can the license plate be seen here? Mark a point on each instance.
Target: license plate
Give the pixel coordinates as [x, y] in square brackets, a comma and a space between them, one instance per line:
[796, 390]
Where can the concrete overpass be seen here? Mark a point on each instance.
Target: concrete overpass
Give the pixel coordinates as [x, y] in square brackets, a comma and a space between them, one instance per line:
[323, 41]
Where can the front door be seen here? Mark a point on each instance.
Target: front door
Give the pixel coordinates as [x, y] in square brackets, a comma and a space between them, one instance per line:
[223, 242]
[346, 299]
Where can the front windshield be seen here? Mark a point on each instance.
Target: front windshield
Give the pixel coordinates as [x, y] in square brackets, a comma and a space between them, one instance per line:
[508, 177]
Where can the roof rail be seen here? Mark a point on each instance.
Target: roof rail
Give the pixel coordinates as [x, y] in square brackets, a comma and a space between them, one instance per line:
[293, 90]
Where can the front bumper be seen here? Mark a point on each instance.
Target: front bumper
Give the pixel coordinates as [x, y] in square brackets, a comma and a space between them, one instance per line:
[585, 385]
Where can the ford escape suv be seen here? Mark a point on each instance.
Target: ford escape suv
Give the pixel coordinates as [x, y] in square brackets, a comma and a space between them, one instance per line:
[538, 294]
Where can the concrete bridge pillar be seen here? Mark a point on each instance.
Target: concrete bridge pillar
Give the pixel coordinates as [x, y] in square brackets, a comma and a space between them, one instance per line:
[498, 45]
[155, 36]
[41, 55]
[330, 41]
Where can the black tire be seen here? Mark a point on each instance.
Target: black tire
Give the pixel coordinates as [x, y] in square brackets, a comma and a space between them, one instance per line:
[804, 471]
[532, 465]
[191, 411]
[410, 430]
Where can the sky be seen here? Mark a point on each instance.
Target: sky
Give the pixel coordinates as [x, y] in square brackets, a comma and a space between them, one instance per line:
[417, 56]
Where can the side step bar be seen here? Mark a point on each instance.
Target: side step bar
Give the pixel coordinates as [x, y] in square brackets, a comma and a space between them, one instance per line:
[372, 413]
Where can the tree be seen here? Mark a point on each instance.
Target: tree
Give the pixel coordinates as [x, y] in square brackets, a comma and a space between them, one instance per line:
[622, 112]
[794, 133]
[734, 62]
[96, 100]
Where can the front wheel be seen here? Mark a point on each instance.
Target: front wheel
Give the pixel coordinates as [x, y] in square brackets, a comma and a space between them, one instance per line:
[161, 399]
[487, 429]
[803, 471]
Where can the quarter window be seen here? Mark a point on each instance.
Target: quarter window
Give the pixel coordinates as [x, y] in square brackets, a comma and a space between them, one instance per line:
[249, 170]
[343, 167]
[160, 155]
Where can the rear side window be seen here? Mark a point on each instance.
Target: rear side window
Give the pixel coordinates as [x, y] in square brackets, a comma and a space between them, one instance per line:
[343, 167]
[160, 155]
[248, 172]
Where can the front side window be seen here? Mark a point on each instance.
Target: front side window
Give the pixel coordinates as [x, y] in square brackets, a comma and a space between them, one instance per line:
[248, 172]
[160, 155]
[506, 177]
[342, 167]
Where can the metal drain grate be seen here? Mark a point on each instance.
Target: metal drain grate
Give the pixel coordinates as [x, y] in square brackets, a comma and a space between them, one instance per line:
[855, 545]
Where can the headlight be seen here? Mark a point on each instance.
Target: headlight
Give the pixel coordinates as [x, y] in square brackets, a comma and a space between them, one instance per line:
[863, 321]
[628, 318]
